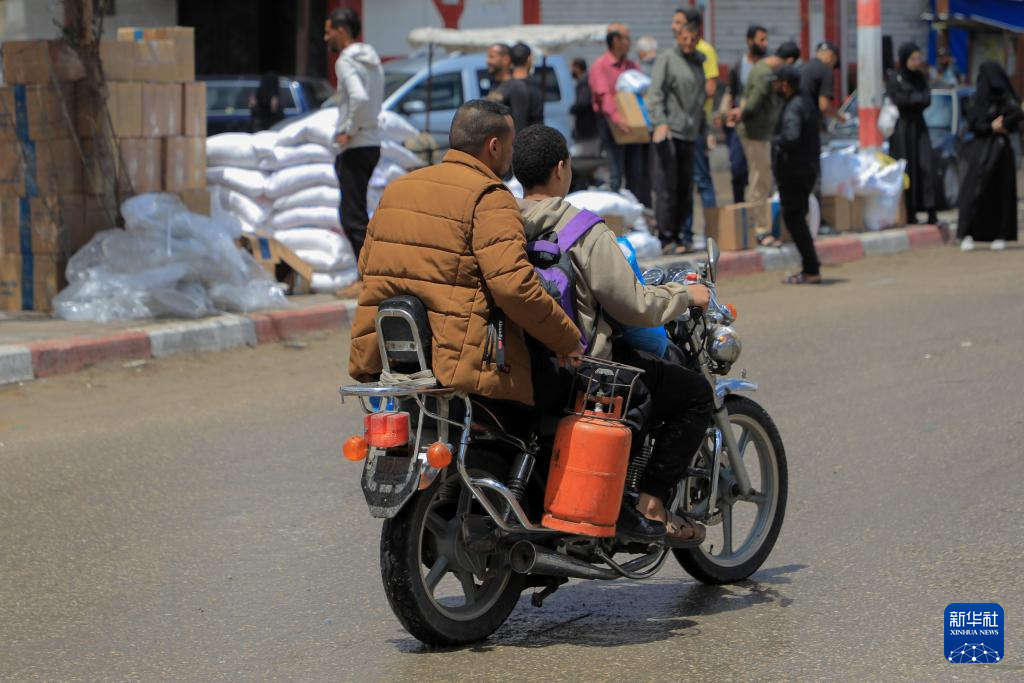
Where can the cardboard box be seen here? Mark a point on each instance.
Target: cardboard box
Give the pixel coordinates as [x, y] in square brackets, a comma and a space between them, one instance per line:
[197, 201]
[143, 164]
[38, 168]
[124, 107]
[183, 39]
[837, 211]
[119, 60]
[734, 226]
[30, 225]
[28, 283]
[184, 164]
[194, 110]
[40, 62]
[629, 108]
[161, 110]
[279, 261]
[38, 112]
[156, 61]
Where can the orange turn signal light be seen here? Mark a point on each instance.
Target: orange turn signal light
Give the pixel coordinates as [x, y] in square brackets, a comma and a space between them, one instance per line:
[732, 311]
[439, 456]
[355, 448]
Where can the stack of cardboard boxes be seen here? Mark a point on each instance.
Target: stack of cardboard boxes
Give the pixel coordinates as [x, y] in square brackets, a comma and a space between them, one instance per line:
[49, 183]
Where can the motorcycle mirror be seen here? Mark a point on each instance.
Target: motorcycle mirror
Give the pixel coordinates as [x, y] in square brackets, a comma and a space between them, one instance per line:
[713, 256]
[654, 276]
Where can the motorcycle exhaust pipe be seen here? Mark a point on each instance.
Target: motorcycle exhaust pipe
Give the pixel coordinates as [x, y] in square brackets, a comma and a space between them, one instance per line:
[527, 558]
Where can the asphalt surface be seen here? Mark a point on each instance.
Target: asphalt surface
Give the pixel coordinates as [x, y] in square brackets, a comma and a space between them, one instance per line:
[192, 518]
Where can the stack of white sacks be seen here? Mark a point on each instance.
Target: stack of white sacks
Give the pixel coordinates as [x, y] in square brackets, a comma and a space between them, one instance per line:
[284, 183]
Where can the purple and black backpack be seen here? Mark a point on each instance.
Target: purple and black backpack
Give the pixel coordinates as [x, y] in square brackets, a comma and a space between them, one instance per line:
[549, 255]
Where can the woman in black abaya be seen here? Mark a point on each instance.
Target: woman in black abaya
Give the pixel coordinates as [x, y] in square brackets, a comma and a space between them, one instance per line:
[988, 188]
[909, 91]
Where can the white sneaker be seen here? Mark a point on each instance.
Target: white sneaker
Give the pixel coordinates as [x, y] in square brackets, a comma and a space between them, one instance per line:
[999, 245]
[967, 244]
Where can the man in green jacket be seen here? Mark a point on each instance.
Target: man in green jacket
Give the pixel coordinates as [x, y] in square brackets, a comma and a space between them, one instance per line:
[756, 115]
[676, 102]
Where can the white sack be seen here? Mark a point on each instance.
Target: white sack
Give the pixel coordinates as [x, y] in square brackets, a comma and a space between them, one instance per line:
[839, 171]
[385, 172]
[284, 157]
[320, 195]
[876, 178]
[881, 211]
[246, 181]
[318, 128]
[264, 142]
[396, 127]
[644, 243]
[606, 204]
[307, 216]
[252, 211]
[330, 282]
[290, 180]
[396, 153]
[231, 149]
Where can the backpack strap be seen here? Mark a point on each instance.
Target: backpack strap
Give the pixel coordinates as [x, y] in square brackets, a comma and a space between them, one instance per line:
[578, 226]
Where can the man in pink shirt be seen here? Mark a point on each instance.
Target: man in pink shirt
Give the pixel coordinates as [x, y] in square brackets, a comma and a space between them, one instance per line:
[604, 72]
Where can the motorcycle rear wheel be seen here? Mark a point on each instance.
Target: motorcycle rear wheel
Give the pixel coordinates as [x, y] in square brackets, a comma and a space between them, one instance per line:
[423, 554]
[736, 561]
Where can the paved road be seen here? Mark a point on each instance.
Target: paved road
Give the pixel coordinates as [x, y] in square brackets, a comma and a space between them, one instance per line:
[192, 518]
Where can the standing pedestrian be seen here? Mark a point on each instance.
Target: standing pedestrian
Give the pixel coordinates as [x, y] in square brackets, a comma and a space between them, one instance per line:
[360, 94]
[757, 48]
[676, 102]
[945, 72]
[512, 92]
[756, 116]
[816, 80]
[265, 104]
[646, 52]
[706, 140]
[521, 59]
[584, 123]
[988, 195]
[796, 141]
[909, 91]
[604, 74]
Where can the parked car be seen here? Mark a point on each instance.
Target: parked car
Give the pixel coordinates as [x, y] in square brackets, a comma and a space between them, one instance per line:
[460, 78]
[227, 99]
[946, 127]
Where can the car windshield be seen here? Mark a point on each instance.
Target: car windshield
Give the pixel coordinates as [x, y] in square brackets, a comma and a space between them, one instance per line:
[231, 97]
[940, 113]
[393, 80]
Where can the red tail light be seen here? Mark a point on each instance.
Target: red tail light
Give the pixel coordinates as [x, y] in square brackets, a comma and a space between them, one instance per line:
[386, 430]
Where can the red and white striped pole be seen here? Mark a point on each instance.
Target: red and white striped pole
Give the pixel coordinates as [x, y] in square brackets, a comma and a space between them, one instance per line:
[869, 72]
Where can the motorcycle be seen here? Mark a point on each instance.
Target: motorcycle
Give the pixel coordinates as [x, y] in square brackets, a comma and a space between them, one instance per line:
[465, 533]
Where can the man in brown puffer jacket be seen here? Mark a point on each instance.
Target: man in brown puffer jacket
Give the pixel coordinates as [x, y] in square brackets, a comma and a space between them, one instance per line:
[452, 235]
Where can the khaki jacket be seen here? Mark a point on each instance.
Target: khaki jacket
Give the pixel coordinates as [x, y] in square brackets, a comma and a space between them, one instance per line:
[452, 235]
[606, 286]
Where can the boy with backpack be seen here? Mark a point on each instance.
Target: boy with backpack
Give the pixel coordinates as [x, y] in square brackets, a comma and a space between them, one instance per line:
[580, 263]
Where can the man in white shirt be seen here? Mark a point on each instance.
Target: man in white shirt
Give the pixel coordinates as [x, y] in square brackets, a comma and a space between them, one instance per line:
[360, 94]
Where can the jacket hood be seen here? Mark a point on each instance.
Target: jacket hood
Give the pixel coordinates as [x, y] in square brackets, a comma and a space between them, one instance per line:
[539, 216]
[362, 52]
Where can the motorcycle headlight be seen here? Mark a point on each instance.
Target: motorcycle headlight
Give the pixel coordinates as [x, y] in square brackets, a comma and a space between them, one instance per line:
[725, 345]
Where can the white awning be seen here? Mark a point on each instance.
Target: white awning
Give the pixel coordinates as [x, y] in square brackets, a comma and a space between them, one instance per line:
[547, 39]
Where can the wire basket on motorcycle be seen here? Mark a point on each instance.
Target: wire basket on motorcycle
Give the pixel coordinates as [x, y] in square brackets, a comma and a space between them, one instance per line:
[603, 388]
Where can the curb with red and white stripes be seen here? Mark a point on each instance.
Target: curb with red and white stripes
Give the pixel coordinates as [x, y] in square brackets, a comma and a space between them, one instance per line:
[47, 358]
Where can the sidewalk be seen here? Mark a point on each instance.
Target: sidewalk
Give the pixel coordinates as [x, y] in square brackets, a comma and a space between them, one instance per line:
[33, 346]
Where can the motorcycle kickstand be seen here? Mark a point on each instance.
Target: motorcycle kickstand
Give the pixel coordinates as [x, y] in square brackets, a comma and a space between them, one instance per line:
[538, 598]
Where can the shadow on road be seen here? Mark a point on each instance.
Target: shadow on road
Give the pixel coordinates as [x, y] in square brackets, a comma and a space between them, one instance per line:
[611, 614]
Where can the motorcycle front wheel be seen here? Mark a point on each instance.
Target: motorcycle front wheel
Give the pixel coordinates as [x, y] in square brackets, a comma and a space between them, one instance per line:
[444, 592]
[741, 531]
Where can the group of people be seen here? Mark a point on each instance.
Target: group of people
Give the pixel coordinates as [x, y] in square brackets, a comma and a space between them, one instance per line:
[454, 235]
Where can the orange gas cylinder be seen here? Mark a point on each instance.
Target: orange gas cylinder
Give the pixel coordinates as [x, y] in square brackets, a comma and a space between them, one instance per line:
[588, 473]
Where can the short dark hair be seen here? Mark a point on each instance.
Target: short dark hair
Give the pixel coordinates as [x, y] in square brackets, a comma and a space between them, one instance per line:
[503, 48]
[476, 122]
[520, 54]
[754, 29]
[610, 37]
[788, 50]
[535, 155]
[692, 14]
[348, 19]
[691, 27]
[580, 62]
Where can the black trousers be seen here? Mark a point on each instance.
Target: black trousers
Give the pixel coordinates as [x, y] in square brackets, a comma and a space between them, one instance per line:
[675, 189]
[638, 174]
[354, 168]
[793, 195]
[679, 398]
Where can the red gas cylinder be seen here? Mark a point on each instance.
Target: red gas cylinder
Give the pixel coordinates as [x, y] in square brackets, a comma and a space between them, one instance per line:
[588, 472]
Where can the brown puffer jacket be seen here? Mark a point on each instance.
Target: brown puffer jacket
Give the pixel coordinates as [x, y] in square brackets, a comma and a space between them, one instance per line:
[452, 235]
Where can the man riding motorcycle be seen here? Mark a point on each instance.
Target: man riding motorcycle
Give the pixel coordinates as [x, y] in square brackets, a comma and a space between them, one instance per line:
[452, 235]
[606, 290]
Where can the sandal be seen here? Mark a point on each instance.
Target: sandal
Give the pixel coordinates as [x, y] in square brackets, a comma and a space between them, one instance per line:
[683, 533]
[768, 240]
[682, 249]
[802, 279]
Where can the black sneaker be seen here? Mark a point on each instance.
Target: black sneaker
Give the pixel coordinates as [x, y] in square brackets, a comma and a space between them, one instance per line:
[633, 527]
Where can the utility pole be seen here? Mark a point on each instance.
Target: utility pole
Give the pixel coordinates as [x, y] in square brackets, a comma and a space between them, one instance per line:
[869, 72]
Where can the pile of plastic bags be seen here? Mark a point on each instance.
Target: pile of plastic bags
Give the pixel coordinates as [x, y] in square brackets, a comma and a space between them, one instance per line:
[284, 184]
[620, 208]
[876, 177]
[167, 262]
